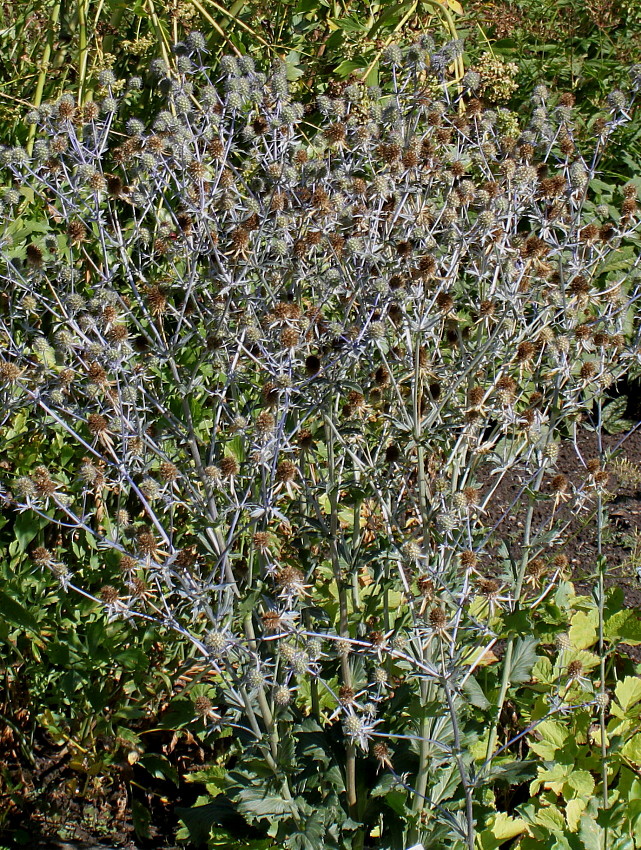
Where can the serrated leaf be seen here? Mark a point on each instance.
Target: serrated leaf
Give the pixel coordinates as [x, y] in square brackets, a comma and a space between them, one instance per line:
[584, 629]
[384, 785]
[591, 834]
[613, 416]
[553, 778]
[551, 737]
[624, 626]
[258, 804]
[628, 692]
[632, 749]
[500, 828]
[573, 811]
[582, 783]
[505, 826]
[523, 659]
[551, 819]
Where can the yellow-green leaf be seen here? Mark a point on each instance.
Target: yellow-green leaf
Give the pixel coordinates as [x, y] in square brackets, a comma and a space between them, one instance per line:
[455, 6]
[628, 692]
[632, 749]
[584, 629]
[581, 782]
[506, 827]
[573, 812]
[551, 819]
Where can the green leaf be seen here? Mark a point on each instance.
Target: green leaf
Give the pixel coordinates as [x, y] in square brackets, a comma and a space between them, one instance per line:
[347, 67]
[523, 659]
[256, 803]
[199, 819]
[505, 826]
[141, 817]
[16, 614]
[552, 736]
[474, 693]
[551, 819]
[632, 749]
[613, 416]
[628, 692]
[180, 713]
[623, 626]
[584, 629]
[27, 526]
[573, 811]
[591, 834]
[582, 783]
[389, 18]
[159, 767]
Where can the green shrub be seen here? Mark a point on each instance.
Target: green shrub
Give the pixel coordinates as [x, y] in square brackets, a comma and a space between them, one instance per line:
[285, 380]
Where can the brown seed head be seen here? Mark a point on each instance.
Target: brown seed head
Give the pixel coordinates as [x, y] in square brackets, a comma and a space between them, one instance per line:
[228, 466]
[525, 352]
[289, 338]
[168, 471]
[346, 695]
[97, 424]
[536, 568]
[203, 706]
[76, 231]
[128, 565]
[109, 594]
[286, 471]
[468, 559]
[265, 423]
[575, 669]
[438, 619]
[41, 556]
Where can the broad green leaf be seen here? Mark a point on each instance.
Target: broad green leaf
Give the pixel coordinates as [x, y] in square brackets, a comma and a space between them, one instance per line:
[500, 828]
[632, 749]
[573, 811]
[199, 819]
[256, 803]
[15, 613]
[624, 626]
[27, 526]
[551, 819]
[523, 659]
[159, 767]
[591, 834]
[551, 735]
[553, 778]
[505, 826]
[613, 416]
[347, 67]
[628, 692]
[584, 629]
[582, 783]
[141, 817]
[474, 693]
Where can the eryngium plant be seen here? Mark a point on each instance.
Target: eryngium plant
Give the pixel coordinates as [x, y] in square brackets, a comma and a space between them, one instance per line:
[284, 379]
